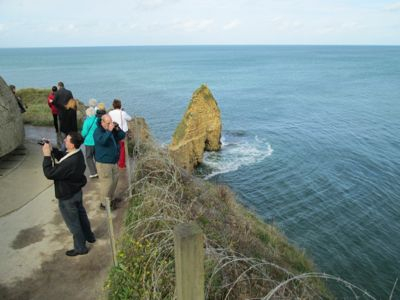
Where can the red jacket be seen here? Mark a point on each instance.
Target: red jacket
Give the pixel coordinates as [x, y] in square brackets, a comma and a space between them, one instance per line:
[50, 100]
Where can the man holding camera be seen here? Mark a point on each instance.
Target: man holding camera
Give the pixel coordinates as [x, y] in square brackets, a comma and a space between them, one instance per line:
[106, 144]
[67, 171]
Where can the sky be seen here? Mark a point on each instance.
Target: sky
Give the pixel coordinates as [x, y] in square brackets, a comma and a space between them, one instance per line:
[70, 23]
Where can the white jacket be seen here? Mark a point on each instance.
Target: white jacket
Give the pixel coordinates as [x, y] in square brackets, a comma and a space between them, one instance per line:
[121, 117]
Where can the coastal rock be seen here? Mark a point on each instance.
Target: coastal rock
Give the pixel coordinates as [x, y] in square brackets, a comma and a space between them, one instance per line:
[138, 130]
[199, 130]
[11, 123]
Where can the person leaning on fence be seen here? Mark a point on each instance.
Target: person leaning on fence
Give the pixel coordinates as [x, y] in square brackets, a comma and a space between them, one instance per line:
[122, 118]
[106, 138]
[67, 171]
[88, 129]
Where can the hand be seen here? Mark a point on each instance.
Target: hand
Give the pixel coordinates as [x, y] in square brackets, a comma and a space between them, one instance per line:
[111, 126]
[46, 149]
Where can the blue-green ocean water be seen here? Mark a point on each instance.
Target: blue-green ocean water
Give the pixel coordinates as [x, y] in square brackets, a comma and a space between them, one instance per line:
[310, 134]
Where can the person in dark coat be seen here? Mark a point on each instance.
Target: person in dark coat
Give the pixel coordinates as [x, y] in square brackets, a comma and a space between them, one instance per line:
[69, 122]
[61, 98]
[67, 170]
[106, 144]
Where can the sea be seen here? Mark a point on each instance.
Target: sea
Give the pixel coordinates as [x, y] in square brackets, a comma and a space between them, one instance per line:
[310, 137]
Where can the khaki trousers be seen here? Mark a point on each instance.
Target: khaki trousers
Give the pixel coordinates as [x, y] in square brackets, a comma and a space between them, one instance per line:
[108, 179]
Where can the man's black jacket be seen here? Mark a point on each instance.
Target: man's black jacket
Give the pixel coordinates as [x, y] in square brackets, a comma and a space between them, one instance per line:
[67, 172]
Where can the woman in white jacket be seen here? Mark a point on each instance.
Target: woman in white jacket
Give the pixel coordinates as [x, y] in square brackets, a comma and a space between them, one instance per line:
[122, 118]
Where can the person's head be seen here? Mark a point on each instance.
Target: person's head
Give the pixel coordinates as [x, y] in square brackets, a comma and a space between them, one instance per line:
[71, 104]
[106, 121]
[92, 102]
[116, 104]
[12, 88]
[90, 111]
[60, 85]
[73, 141]
[101, 106]
[54, 89]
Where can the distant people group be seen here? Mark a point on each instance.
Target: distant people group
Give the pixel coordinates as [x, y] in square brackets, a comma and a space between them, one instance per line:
[103, 139]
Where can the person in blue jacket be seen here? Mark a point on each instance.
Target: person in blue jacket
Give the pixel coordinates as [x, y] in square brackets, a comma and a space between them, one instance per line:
[106, 138]
[88, 129]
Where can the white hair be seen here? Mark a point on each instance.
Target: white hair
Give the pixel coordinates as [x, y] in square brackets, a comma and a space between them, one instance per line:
[92, 102]
[90, 112]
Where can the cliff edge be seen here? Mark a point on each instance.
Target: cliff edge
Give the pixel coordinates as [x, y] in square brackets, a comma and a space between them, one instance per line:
[199, 130]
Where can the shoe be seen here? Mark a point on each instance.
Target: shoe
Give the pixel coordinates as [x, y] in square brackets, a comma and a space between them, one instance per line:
[74, 252]
[102, 206]
[93, 240]
[93, 176]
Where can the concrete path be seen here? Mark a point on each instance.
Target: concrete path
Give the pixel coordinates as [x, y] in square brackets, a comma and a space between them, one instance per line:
[34, 238]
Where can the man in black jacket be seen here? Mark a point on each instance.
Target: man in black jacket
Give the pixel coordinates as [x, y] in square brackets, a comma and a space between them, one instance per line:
[67, 171]
[61, 99]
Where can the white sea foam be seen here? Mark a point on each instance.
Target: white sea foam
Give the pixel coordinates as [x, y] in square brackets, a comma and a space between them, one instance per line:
[236, 153]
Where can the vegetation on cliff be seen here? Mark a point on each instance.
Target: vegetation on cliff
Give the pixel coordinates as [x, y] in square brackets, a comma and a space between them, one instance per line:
[245, 258]
[38, 112]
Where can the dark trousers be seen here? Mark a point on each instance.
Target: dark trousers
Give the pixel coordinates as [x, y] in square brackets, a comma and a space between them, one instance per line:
[55, 121]
[76, 219]
[90, 162]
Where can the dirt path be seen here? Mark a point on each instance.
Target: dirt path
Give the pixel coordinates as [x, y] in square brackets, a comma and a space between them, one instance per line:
[34, 238]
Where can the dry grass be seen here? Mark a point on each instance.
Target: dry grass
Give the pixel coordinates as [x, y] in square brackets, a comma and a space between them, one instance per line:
[245, 258]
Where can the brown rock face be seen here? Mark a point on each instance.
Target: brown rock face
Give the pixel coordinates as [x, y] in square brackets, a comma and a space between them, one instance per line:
[12, 128]
[199, 130]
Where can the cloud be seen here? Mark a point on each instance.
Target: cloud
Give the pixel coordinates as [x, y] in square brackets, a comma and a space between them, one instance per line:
[2, 27]
[392, 6]
[153, 4]
[231, 25]
[193, 25]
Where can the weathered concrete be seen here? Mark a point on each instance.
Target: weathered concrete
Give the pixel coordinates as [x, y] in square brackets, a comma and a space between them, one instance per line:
[34, 238]
[11, 123]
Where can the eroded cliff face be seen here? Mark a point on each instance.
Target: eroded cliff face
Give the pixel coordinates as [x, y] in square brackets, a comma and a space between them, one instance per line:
[12, 127]
[199, 130]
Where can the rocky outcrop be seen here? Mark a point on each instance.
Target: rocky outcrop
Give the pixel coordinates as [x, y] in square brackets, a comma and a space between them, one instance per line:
[12, 127]
[138, 130]
[199, 130]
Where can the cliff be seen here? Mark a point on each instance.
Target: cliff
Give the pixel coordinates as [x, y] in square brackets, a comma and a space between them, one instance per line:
[11, 123]
[199, 130]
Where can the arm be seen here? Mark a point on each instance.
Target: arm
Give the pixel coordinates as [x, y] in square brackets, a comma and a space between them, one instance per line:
[85, 128]
[119, 135]
[126, 116]
[58, 171]
[102, 138]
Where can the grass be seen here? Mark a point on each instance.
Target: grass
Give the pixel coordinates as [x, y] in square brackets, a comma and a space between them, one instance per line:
[38, 112]
[245, 258]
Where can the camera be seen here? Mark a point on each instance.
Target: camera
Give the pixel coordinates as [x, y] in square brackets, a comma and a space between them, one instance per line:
[43, 141]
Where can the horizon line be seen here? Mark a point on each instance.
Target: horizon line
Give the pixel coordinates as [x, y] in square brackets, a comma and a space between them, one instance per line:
[199, 45]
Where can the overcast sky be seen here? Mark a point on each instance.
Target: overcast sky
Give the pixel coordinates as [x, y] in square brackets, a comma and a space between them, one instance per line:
[52, 23]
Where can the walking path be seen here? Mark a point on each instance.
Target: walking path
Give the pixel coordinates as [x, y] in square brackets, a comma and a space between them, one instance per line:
[34, 238]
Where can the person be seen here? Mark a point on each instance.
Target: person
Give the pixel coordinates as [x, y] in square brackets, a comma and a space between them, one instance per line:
[88, 128]
[121, 117]
[61, 99]
[67, 171]
[101, 110]
[21, 105]
[53, 108]
[106, 138]
[69, 121]
[93, 104]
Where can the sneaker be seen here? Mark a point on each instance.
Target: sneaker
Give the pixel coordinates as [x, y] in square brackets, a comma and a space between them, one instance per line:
[102, 206]
[74, 252]
[93, 176]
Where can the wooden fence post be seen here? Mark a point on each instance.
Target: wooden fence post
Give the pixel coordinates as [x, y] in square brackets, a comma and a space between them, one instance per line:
[111, 232]
[128, 166]
[189, 262]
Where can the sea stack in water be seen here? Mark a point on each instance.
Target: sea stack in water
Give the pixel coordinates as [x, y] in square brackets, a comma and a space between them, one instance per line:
[199, 130]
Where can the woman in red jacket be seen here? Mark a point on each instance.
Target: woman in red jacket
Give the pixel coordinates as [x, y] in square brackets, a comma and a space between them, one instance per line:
[53, 108]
